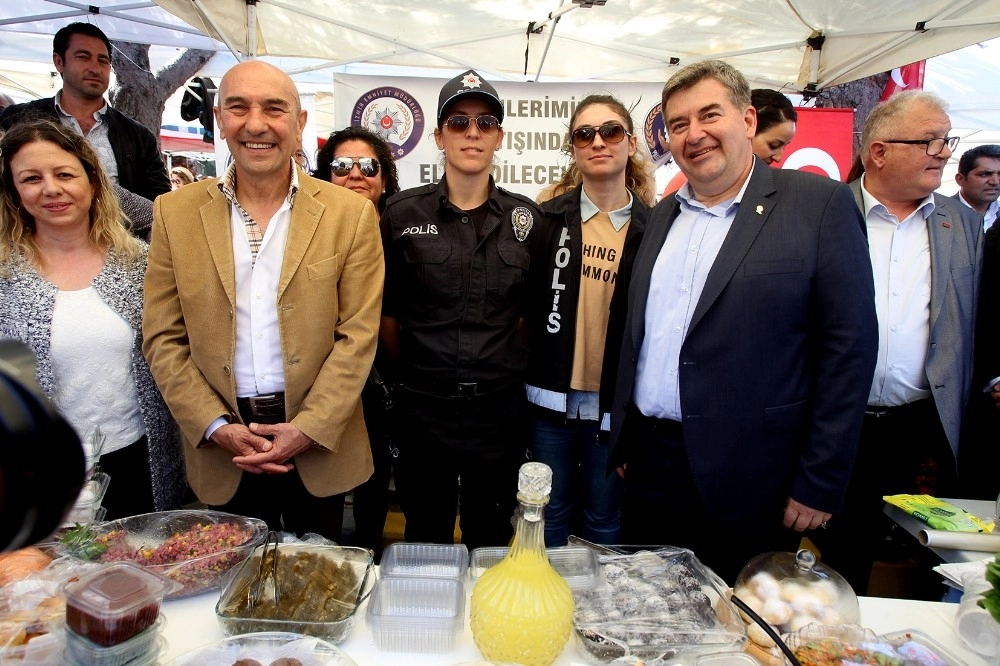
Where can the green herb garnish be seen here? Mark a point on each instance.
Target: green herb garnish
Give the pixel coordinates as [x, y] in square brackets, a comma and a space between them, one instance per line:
[81, 541]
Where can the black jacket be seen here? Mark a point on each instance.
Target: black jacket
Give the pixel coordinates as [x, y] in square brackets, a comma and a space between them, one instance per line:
[555, 291]
[458, 299]
[140, 167]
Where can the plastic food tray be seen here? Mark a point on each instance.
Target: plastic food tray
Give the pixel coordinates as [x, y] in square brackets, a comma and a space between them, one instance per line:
[265, 648]
[233, 622]
[416, 614]
[113, 603]
[198, 573]
[79, 650]
[852, 635]
[657, 604]
[425, 559]
[578, 566]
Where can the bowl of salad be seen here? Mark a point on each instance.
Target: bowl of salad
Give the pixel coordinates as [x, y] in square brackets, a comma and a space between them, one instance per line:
[194, 548]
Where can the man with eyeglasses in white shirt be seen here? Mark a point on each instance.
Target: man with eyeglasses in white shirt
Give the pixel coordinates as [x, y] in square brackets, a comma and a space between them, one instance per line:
[926, 251]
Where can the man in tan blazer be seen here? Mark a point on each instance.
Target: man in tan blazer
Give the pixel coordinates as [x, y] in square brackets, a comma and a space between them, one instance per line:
[262, 303]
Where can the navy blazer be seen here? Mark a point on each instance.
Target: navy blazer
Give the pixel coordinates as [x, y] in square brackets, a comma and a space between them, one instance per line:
[778, 360]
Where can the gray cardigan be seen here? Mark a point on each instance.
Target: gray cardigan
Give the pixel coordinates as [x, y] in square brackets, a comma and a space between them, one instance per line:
[26, 304]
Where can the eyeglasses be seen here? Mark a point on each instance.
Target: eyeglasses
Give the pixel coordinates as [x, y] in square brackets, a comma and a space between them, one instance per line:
[933, 146]
[486, 124]
[611, 132]
[342, 166]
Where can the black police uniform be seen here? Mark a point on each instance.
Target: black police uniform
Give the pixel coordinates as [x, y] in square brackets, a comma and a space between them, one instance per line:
[455, 282]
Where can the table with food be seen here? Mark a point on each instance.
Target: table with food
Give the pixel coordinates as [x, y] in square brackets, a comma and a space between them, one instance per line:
[203, 587]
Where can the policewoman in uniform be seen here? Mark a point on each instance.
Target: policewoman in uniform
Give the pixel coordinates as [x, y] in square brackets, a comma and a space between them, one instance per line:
[457, 259]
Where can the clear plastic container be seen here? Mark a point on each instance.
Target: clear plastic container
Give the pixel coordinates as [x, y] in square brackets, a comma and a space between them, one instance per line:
[816, 642]
[416, 614]
[337, 578]
[114, 603]
[194, 547]
[429, 560]
[578, 566]
[662, 604]
[44, 649]
[266, 648]
[87, 508]
[79, 650]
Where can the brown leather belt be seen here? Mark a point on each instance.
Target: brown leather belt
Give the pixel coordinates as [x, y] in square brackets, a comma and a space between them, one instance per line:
[264, 406]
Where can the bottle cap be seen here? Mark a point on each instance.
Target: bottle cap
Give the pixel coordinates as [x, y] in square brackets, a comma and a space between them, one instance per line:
[534, 482]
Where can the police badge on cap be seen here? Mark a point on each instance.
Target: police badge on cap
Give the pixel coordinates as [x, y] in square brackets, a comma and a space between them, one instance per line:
[521, 220]
[469, 86]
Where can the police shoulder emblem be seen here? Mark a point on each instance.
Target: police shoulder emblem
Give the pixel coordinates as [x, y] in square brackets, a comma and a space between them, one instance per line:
[521, 220]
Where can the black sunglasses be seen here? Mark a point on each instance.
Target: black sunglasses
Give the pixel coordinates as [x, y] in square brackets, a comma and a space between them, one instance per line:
[342, 166]
[610, 132]
[486, 124]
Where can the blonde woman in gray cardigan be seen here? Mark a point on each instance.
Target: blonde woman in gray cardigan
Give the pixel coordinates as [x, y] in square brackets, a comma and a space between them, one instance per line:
[71, 289]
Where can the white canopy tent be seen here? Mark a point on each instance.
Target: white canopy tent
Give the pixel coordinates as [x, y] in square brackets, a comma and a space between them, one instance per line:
[791, 44]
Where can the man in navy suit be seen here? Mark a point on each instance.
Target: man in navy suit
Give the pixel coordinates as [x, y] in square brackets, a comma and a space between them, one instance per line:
[749, 341]
[926, 251]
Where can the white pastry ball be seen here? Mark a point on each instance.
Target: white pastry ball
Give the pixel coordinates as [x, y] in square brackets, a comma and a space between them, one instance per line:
[776, 611]
[765, 586]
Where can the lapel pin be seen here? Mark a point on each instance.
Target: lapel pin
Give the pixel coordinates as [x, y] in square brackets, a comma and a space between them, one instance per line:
[946, 225]
[760, 210]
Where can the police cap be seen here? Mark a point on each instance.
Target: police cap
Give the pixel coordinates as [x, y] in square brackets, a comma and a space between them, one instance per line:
[469, 86]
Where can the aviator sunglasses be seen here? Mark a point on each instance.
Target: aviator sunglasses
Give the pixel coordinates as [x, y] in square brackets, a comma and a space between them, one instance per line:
[342, 166]
[611, 132]
[486, 124]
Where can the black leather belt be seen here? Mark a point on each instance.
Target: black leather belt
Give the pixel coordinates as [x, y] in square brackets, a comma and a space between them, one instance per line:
[664, 427]
[272, 405]
[459, 389]
[878, 412]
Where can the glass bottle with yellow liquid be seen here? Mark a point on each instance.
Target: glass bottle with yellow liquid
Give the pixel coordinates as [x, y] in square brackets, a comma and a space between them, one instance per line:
[522, 610]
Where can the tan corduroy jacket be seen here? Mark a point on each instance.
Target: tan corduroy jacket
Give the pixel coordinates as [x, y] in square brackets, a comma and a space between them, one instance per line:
[329, 301]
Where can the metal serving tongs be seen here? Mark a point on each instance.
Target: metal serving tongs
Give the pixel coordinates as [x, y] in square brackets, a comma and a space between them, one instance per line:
[265, 570]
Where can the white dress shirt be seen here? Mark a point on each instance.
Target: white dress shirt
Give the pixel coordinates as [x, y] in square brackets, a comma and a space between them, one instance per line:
[675, 285]
[97, 137]
[257, 362]
[901, 264]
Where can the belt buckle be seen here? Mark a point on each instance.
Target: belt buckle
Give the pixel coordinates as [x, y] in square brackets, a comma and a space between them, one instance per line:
[263, 405]
[467, 389]
[877, 412]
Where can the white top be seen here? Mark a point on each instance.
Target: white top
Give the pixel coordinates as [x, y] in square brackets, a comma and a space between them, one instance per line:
[676, 283]
[257, 363]
[901, 263]
[92, 369]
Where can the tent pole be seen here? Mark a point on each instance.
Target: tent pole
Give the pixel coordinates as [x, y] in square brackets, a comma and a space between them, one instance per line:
[554, 17]
[251, 29]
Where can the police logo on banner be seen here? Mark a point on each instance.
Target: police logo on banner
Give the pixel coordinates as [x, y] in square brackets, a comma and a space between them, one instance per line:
[393, 114]
[655, 133]
[521, 220]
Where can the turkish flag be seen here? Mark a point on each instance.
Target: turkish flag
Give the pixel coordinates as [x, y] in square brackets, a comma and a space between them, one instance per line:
[907, 77]
[822, 145]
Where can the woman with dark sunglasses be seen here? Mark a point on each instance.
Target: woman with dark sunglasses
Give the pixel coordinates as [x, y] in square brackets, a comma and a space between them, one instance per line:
[360, 160]
[457, 258]
[607, 191]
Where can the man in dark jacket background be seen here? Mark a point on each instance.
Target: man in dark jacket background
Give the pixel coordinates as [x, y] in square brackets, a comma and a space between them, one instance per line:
[128, 151]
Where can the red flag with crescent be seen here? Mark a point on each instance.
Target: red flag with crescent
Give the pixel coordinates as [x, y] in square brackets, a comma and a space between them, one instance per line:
[907, 77]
